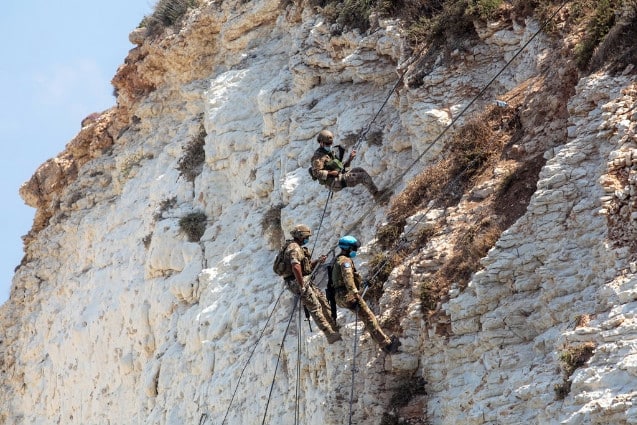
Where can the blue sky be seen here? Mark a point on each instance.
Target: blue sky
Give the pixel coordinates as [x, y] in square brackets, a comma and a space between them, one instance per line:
[57, 60]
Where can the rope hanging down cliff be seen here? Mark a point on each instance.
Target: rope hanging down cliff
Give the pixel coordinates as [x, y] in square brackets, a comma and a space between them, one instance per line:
[278, 360]
[254, 347]
[391, 186]
[463, 111]
[402, 240]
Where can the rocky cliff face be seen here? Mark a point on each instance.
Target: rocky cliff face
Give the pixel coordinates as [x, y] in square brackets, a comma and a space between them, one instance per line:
[146, 293]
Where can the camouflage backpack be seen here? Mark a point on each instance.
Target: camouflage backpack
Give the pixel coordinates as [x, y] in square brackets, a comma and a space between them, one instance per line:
[280, 267]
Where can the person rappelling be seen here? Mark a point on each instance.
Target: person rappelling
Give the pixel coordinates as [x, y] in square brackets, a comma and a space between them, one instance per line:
[330, 170]
[293, 263]
[347, 284]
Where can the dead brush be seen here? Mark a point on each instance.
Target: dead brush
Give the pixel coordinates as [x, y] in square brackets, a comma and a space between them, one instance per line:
[424, 187]
[431, 291]
[576, 356]
[472, 146]
[388, 234]
[167, 13]
[193, 225]
[190, 165]
[380, 267]
[271, 225]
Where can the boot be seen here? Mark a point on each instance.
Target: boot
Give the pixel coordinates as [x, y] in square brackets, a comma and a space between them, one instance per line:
[392, 347]
[381, 196]
[333, 337]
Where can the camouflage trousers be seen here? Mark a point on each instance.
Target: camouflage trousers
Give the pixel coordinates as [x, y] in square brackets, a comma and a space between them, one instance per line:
[354, 177]
[346, 300]
[314, 300]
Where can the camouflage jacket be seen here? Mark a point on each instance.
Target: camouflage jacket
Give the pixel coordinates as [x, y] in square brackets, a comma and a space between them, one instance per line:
[297, 254]
[324, 161]
[344, 275]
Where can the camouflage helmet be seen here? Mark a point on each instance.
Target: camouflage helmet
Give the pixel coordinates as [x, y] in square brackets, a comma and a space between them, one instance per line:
[301, 231]
[325, 136]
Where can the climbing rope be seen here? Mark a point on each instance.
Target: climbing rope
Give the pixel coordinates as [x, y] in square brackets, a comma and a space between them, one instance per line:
[298, 370]
[278, 360]
[401, 176]
[463, 111]
[250, 356]
[395, 182]
[351, 392]
[484, 89]
[409, 62]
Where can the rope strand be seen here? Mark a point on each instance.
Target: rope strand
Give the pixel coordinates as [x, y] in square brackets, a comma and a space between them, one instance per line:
[276, 368]
[391, 186]
[351, 392]
[250, 356]
[298, 369]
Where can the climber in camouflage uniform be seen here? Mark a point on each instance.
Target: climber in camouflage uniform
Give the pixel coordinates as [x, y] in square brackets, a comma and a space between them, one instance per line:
[298, 265]
[329, 170]
[347, 283]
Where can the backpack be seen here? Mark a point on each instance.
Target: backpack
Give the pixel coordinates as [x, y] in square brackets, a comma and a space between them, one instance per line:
[279, 266]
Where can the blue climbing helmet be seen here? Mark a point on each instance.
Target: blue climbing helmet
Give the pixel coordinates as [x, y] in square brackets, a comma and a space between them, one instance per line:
[349, 243]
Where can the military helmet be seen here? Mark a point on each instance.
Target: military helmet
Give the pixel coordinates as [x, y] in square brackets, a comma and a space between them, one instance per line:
[301, 231]
[349, 242]
[325, 136]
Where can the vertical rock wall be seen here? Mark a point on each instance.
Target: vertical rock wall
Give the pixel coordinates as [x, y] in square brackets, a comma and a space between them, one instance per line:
[117, 316]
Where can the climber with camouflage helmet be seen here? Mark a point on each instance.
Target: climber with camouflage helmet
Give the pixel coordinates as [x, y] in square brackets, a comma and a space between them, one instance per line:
[298, 265]
[329, 170]
[347, 284]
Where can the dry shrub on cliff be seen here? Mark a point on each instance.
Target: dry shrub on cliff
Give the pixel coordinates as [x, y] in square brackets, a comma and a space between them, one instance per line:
[380, 267]
[346, 14]
[576, 356]
[572, 358]
[601, 18]
[191, 164]
[618, 48]
[403, 395]
[437, 22]
[193, 225]
[469, 151]
[271, 225]
[166, 13]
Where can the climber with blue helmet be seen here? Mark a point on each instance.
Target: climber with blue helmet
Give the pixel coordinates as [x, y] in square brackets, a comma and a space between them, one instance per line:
[347, 282]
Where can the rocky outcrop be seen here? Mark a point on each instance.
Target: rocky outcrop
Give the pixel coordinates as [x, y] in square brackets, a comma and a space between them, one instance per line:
[118, 314]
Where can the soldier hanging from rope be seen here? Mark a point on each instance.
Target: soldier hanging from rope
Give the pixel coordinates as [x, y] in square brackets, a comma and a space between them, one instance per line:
[347, 285]
[329, 170]
[298, 264]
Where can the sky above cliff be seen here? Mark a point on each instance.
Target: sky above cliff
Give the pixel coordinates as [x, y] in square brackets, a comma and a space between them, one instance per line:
[57, 61]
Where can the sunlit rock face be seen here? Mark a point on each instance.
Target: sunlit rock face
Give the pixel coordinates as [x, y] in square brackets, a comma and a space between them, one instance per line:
[122, 313]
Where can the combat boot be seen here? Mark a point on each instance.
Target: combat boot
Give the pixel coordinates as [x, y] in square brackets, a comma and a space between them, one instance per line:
[393, 345]
[333, 337]
[381, 196]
